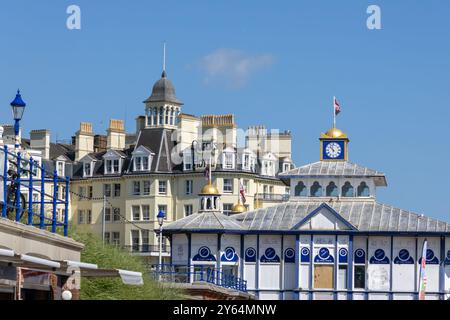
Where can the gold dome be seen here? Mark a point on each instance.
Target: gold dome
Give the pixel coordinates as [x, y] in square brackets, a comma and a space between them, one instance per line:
[209, 189]
[238, 208]
[335, 133]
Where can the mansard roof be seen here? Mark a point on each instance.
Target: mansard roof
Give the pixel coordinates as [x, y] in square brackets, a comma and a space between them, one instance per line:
[211, 221]
[336, 169]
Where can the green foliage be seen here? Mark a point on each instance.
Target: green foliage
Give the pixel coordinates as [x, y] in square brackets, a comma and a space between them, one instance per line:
[111, 257]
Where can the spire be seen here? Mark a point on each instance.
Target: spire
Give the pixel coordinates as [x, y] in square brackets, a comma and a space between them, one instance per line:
[164, 61]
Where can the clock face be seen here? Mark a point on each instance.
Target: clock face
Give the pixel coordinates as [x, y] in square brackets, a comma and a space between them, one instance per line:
[333, 150]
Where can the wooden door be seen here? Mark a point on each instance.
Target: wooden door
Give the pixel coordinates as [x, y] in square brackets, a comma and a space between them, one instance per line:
[323, 277]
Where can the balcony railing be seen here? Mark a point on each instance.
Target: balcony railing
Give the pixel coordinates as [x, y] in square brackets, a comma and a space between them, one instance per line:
[147, 248]
[272, 197]
[198, 273]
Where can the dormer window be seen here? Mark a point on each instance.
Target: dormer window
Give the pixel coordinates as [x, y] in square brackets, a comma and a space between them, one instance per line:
[60, 168]
[248, 161]
[142, 159]
[87, 169]
[228, 159]
[286, 167]
[112, 166]
[268, 165]
[141, 163]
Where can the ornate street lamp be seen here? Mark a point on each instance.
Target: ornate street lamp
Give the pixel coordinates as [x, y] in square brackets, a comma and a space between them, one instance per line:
[161, 215]
[18, 107]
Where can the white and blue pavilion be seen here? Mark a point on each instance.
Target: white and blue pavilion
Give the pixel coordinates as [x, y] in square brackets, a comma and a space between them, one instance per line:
[331, 240]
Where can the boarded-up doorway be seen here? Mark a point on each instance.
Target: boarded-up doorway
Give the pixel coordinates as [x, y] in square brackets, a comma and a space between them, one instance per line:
[323, 277]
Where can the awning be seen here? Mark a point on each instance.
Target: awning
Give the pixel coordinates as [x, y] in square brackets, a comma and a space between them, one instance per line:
[69, 267]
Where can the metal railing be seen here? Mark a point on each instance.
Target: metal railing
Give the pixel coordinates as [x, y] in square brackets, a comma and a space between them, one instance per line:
[22, 178]
[198, 273]
[272, 197]
[146, 248]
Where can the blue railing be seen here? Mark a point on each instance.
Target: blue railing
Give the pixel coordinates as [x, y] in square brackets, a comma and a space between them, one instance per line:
[198, 273]
[22, 178]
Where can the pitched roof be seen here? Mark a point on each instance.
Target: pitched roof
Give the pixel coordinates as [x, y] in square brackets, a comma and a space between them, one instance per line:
[204, 221]
[367, 216]
[335, 169]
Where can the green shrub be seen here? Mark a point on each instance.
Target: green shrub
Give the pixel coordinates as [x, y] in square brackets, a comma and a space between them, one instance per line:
[111, 257]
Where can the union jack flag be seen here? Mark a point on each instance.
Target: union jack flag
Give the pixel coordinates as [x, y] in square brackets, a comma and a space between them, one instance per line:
[337, 106]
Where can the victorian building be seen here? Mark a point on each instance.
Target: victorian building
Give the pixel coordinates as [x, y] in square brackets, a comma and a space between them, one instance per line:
[331, 240]
[121, 181]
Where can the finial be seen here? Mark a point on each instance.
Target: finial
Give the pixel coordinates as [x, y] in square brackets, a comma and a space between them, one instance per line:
[164, 59]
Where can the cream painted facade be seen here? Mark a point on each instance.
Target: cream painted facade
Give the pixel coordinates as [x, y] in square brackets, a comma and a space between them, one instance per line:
[175, 201]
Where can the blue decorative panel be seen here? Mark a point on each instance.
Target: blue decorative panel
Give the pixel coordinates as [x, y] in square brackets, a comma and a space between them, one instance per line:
[431, 258]
[250, 255]
[289, 255]
[404, 257]
[204, 254]
[324, 256]
[360, 256]
[447, 258]
[343, 255]
[379, 257]
[270, 255]
[229, 255]
[305, 255]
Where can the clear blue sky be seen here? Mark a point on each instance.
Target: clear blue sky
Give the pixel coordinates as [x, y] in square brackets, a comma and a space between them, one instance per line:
[273, 63]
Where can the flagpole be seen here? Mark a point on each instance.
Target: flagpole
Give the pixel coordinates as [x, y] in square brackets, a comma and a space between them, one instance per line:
[334, 113]
[210, 168]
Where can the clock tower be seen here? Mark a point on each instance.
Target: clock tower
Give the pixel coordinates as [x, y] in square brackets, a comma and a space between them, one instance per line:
[333, 145]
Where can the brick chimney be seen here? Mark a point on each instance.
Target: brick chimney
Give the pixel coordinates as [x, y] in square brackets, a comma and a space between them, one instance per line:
[116, 135]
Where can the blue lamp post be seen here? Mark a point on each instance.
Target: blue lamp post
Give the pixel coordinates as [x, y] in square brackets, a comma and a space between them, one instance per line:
[18, 107]
[161, 215]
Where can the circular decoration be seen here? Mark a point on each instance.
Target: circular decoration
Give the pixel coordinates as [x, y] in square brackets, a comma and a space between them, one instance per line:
[324, 253]
[204, 252]
[359, 253]
[403, 255]
[289, 253]
[66, 295]
[343, 252]
[430, 254]
[270, 253]
[229, 253]
[250, 252]
[379, 254]
[305, 252]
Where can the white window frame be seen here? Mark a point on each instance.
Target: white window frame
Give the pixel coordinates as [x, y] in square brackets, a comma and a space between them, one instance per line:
[225, 190]
[160, 183]
[134, 191]
[60, 171]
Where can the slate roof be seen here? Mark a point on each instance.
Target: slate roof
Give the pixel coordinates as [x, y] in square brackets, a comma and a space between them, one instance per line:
[204, 221]
[365, 216]
[335, 169]
[159, 141]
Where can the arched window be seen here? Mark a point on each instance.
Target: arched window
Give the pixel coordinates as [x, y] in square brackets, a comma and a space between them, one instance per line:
[300, 189]
[316, 190]
[332, 190]
[161, 116]
[363, 190]
[347, 190]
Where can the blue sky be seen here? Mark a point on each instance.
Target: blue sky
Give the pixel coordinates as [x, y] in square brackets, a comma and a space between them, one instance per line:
[272, 63]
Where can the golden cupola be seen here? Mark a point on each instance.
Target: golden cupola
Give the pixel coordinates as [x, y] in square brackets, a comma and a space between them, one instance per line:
[238, 208]
[209, 189]
[334, 145]
[209, 198]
